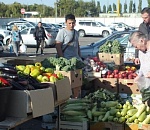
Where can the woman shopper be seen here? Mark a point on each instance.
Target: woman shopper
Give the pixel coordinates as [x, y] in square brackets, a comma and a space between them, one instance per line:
[16, 38]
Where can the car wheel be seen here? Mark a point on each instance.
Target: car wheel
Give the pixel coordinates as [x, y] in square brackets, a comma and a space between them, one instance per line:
[105, 33]
[81, 33]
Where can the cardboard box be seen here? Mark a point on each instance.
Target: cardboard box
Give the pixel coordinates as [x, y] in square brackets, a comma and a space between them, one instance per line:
[128, 86]
[107, 126]
[36, 102]
[61, 90]
[75, 77]
[103, 56]
[106, 83]
[130, 126]
[118, 59]
[21, 61]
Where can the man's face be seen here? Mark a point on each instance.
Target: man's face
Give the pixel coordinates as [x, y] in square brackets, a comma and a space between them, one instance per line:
[39, 24]
[146, 18]
[70, 24]
[140, 45]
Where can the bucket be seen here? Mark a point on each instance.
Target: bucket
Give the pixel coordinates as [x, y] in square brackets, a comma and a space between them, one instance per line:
[4, 95]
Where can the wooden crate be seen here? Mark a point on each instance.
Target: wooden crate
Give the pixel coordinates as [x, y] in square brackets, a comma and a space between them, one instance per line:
[101, 126]
[132, 126]
[68, 125]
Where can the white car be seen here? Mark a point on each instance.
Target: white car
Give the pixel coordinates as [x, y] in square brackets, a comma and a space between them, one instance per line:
[28, 39]
[121, 26]
[4, 32]
[92, 28]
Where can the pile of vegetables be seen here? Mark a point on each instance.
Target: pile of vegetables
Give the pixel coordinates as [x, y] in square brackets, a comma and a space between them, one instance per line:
[105, 106]
[62, 64]
[112, 47]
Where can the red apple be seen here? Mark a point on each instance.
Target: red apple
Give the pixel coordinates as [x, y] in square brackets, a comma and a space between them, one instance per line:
[116, 76]
[111, 76]
[130, 76]
[97, 69]
[109, 72]
[120, 76]
[116, 71]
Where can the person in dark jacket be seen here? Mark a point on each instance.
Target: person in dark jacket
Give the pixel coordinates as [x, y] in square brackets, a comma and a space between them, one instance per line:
[39, 35]
[144, 28]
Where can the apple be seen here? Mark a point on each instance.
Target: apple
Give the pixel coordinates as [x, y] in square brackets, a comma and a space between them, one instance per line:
[95, 59]
[109, 72]
[130, 76]
[116, 76]
[124, 74]
[107, 76]
[97, 69]
[116, 71]
[111, 76]
[120, 76]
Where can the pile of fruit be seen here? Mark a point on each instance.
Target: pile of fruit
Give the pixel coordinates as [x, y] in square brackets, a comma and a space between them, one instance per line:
[39, 72]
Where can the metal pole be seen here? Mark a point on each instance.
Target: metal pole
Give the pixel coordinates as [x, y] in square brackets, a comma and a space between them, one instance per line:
[55, 11]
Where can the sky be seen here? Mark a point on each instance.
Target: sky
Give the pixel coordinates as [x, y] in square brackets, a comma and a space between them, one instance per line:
[51, 2]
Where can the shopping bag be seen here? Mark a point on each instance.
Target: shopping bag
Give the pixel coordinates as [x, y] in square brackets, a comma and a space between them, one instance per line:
[23, 48]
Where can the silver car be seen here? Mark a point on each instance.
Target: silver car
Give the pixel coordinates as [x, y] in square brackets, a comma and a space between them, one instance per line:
[28, 39]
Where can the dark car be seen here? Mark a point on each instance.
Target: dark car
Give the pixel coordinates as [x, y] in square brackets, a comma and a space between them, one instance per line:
[1, 38]
[92, 49]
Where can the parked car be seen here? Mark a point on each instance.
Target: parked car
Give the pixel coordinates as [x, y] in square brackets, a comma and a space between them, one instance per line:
[21, 24]
[1, 38]
[28, 39]
[1, 47]
[92, 49]
[121, 26]
[88, 27]
[4, 32]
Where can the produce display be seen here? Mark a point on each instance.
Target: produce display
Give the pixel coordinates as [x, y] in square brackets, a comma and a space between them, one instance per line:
[105, 106]
[112, 47]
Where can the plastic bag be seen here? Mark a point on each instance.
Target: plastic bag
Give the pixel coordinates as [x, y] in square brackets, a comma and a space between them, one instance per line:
[23, 48]
[143, 83]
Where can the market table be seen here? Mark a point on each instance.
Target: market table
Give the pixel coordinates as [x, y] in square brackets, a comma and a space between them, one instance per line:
[12, 122]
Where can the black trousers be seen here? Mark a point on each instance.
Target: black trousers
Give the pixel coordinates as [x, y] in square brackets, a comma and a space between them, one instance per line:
[39, 43]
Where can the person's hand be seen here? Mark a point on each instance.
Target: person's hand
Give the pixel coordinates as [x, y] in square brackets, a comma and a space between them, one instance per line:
[137, 61]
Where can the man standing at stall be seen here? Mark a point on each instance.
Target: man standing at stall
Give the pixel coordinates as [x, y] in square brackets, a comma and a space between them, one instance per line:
[144, 28]
[67, 40]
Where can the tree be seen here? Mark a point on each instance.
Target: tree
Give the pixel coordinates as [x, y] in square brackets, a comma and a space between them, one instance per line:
[114, 7]
[140, 6]
[125, 7]
[104, 8]
[148, 1]
[130, 6]
[134, 8]
[98, 8]
[120, 9]
[109, 9]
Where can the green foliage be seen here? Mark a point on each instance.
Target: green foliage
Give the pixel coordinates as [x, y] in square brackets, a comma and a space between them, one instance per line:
[62, 63]
[112, 47]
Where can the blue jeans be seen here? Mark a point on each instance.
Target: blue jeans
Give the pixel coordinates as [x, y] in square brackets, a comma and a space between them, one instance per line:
[16, 45]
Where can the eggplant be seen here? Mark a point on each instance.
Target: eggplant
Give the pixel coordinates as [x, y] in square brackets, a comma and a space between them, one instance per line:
[40, 85]
[12, 76]
[9, 70]
[16, 85]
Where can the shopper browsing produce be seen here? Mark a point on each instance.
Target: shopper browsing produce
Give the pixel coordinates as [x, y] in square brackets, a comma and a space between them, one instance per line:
[139, 41]
[144, 28]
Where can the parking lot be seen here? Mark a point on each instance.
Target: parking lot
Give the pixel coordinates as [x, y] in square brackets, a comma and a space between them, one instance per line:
[48, 51]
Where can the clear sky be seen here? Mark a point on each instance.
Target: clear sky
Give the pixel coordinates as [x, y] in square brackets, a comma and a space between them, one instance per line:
[51, 2]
